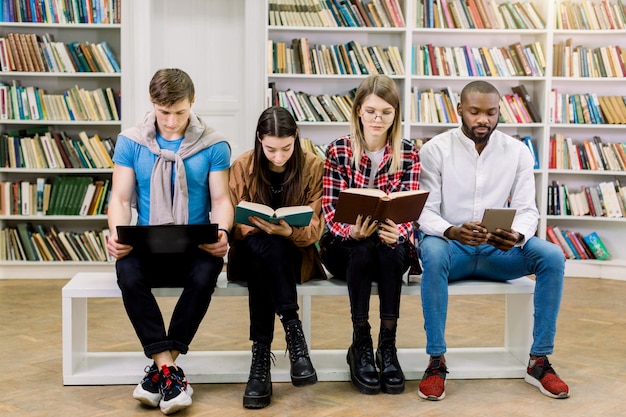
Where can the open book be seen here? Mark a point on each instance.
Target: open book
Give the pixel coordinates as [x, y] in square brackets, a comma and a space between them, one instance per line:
[297, 216]
[171, 238]
[401, 206]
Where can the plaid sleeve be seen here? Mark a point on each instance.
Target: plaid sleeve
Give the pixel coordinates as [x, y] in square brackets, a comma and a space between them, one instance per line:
[410, 181]
[336, 172]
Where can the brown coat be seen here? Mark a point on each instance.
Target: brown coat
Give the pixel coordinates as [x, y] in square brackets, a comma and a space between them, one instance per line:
[303, 237]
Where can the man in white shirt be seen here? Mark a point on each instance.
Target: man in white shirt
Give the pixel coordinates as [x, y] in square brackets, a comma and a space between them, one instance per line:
[467, 170]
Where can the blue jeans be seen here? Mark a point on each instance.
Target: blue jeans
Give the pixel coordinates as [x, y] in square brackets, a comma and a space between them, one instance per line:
[446, 261]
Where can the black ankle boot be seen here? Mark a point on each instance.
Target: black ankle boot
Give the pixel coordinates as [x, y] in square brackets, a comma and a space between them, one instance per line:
[302, 371]
[258, 392]
[391, 375]
[361, 361]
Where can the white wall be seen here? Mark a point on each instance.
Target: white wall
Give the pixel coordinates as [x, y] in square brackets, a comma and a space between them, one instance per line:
[218, 42]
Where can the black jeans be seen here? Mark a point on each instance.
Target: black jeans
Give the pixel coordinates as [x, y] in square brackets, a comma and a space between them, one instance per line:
[196, 272]
[271, 265]
[361, 262]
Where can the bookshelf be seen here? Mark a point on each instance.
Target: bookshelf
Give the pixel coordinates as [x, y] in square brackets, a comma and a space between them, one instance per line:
[57, 83]
[539, 86]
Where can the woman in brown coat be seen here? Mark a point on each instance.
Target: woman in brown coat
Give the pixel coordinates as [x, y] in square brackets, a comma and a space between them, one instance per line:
[274, 257]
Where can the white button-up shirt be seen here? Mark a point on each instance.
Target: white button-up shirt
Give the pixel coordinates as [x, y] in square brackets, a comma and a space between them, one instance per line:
[463, 183]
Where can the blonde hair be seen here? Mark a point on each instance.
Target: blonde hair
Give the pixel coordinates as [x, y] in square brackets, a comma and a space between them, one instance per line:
[385, 88]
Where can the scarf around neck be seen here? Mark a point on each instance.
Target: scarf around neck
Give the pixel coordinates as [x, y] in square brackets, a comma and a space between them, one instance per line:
[165, 209]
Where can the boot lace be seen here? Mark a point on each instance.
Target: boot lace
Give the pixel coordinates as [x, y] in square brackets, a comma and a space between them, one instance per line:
[261, 356]
[296, 344]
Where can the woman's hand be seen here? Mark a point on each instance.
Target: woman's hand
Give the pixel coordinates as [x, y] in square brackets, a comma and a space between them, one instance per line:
[363, 228]
[281, 229]
[388, 232]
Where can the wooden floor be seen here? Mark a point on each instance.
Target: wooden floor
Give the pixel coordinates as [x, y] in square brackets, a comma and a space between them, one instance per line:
[590, 356]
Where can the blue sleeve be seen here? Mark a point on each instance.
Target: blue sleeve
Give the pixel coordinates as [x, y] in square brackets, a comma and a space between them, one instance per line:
[123, 154]
[220, 158]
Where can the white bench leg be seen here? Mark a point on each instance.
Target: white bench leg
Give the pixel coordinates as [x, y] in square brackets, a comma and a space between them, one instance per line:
[305, 308]
[518, 332]
[74, 334]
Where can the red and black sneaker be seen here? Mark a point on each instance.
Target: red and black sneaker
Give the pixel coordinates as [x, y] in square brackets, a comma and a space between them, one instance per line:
[148, 391]
[432, 386]
[543, 376]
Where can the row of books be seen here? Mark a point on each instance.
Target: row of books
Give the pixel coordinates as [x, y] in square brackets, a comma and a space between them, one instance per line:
[477, 14]
[319, 150]
[586, 108]
[29, 52]
[61, 11]
[576, 246]
[592, 15]
[581, 61]
[26, 242]
[64, 196]
[313, 108]
[33, 103]
[514, 60]
[336, 13]
[430, 106]
[591, 154]
[606, 199]
[55, 151]
[302, 58]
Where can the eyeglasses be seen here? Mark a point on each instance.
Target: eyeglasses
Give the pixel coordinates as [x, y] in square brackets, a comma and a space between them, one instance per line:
[385, 117]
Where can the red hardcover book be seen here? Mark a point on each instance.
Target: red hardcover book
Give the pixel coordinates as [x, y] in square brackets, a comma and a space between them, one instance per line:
[552, 238]
[577, 245]
[431, 56]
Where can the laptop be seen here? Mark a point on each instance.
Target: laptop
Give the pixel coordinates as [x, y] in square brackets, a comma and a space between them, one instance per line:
[170, 238]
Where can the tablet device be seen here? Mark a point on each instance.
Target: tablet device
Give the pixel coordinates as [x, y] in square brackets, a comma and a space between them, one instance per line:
[170, 238]
[498, 218]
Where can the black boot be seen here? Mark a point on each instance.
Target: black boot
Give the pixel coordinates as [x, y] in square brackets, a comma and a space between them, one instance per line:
[302, 371]
[361, 361]
[391, 375]
[258, 392]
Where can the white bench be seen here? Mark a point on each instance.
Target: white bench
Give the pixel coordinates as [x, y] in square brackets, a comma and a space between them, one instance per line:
[82, 367]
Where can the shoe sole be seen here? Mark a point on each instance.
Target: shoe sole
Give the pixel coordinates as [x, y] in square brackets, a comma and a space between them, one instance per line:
[176, 404]
[256, 402]
[304, 380]
[536, 383]
[147, 398]
[360, 385]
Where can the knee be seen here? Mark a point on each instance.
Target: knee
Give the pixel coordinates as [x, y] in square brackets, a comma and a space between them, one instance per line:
[434, 252]
[129, 273]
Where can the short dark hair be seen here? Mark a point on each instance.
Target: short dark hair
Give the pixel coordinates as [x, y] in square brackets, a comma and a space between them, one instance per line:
[479, 86]
[171, 85]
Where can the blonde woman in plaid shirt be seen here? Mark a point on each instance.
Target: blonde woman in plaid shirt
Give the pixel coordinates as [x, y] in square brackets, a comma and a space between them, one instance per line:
[373, 156]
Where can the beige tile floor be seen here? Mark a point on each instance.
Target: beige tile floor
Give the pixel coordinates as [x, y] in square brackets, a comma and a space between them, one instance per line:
[590, 355]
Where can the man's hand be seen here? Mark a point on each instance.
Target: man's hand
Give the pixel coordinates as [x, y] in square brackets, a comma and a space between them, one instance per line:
[503, 240]
[363, 228]
[116, 249]
[470, 233]
[219, 248]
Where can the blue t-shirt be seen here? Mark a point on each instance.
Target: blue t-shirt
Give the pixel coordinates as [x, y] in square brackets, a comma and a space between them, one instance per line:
[129, 153]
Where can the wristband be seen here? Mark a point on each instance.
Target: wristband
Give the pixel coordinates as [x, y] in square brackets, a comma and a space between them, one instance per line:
[227, 233]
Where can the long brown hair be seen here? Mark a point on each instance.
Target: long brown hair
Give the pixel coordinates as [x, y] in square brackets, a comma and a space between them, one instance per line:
[277, 121]
[385, 88]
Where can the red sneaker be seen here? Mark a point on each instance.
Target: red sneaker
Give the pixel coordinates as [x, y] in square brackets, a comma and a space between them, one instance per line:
[543, 376]
[432, 385]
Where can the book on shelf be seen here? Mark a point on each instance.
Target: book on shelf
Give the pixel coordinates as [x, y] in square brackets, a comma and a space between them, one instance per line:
[296, 216]
[399, 206]
[596, 245]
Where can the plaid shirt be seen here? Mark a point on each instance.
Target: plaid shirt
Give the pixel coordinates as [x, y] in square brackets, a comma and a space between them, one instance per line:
[339, 175]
